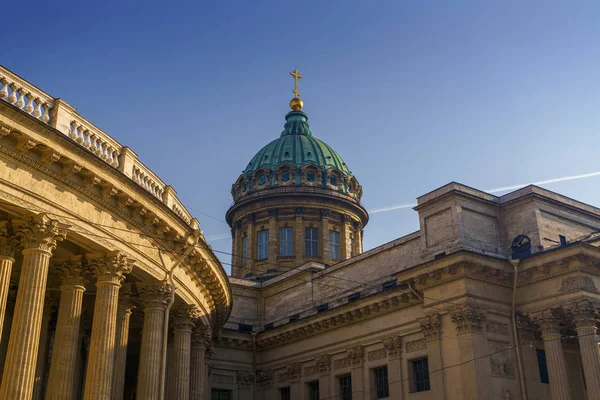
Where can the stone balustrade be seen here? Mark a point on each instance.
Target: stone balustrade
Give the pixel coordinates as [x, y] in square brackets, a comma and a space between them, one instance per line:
[25, 96]
[62, 116]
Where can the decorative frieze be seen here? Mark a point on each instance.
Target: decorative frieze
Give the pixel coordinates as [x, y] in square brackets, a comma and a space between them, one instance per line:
[416, 345]
[377, 355]
[245, 378]
[341, 363]
[312, 370]
[468, 319]
[498, 328]
[221, 379]
[578, 283]
[264, 378]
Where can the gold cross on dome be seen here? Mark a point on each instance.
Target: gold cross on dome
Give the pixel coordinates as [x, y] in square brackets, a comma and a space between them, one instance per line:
[296, 76]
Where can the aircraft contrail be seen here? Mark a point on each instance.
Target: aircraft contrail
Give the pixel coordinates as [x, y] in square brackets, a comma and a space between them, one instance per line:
[496, 190]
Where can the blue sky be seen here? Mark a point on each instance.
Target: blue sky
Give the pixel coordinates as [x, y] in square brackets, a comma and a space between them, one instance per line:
[412, 94]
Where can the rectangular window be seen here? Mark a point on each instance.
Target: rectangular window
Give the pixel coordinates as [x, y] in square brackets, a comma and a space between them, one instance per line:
[311, 237]
[284, 393]
[346, 387]
[286, 242]
[334, 245]
[263, 245]
[542, 365]
[313, 390]
[244, 250]
[352, 246]
[420, 375]
[380, 376]
[220, 394]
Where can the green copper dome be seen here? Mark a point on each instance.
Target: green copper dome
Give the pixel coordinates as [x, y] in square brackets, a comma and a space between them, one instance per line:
[296, 147]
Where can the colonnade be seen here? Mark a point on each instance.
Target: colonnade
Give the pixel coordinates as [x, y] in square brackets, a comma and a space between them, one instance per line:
[107, 351]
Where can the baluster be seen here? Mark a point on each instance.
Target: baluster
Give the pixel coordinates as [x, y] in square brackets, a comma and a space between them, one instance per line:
[73, 134]
[38, 108]
[99, 149]
[4, 91]
[109, 152]
[88, 140]
[21, 101]
[12, 99]
[29, 108]
[46, 115]
[81, 137]
[94, 143]
[115, 162]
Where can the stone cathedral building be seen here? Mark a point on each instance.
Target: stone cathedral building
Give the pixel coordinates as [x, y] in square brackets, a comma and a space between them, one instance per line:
[108, 289]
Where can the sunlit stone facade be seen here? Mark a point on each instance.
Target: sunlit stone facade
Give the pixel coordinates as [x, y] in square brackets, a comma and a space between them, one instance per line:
[88, 238]
[426, 316]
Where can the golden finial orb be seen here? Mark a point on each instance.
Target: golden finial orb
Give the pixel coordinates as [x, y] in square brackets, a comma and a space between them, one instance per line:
[296, 104]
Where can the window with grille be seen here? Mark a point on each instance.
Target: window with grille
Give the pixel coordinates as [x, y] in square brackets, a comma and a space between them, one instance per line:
[311, 238]
[345, 387]
[542, 365]
[380, 376]
[244, 250]
[220, 394]
[284, 393]
[420, 375]
[334, 245]
[286, 242]
[313, 390]
[263, 245]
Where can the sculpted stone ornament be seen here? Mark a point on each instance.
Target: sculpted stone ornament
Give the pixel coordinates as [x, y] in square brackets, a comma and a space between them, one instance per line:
[40, 232]
[578, 283]
[9, 243]
[431, 326]
[324, 363]
[468, 319]
[293, 371]
[185, 316]
[245, 378]
[70, 271]
[584, 313]
[549, 321]
[111, 266]
[154, 294]
[393, 346]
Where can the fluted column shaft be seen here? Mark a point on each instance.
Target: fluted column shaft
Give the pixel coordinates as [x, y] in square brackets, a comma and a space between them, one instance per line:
[586, 317]
[121, 343]
[44, 348]
[432, 330]
[39, 236]
[6, 264]
[325, 214]
[299, 248]
[110, 270]
[63, 367]
[197, 364]
[154, 297]
[549, 323]
[182, 342]
[273, 238]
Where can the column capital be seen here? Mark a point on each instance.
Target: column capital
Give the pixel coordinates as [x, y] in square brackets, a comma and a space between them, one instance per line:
[585, 313]
[9, 242]
[252, 218]
[468, 319]
[110, 267]
[39, 232]
[431, 326]
[324, 364]
[184, 317]
[154, 295]
[201, 336]
[356, 355]
[325, 212]
[293, 371]
[346, 218]
[272, 212]
[549, 321]
[298, 210]
[393, 346]
[70, 271]
[125, 306]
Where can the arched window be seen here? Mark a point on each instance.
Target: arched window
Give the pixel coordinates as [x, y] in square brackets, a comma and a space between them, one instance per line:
[520, 247]
[262, 179]
[311, 176]
[285, 176]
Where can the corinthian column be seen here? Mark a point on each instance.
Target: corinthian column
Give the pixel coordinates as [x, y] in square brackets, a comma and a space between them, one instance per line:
[121, 340]
[393, 347]
[154, 298]
[475, 367]
[549, 323]
[432, 330]
[110, 270]
[197, 381]
[63, 367]
[39, 236]
[8, 247]
[183, 321]
[585, 314]
[41, 366]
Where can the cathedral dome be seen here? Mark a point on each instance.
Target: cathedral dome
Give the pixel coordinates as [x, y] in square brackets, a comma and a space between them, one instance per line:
[297, 147]
[297, 159]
